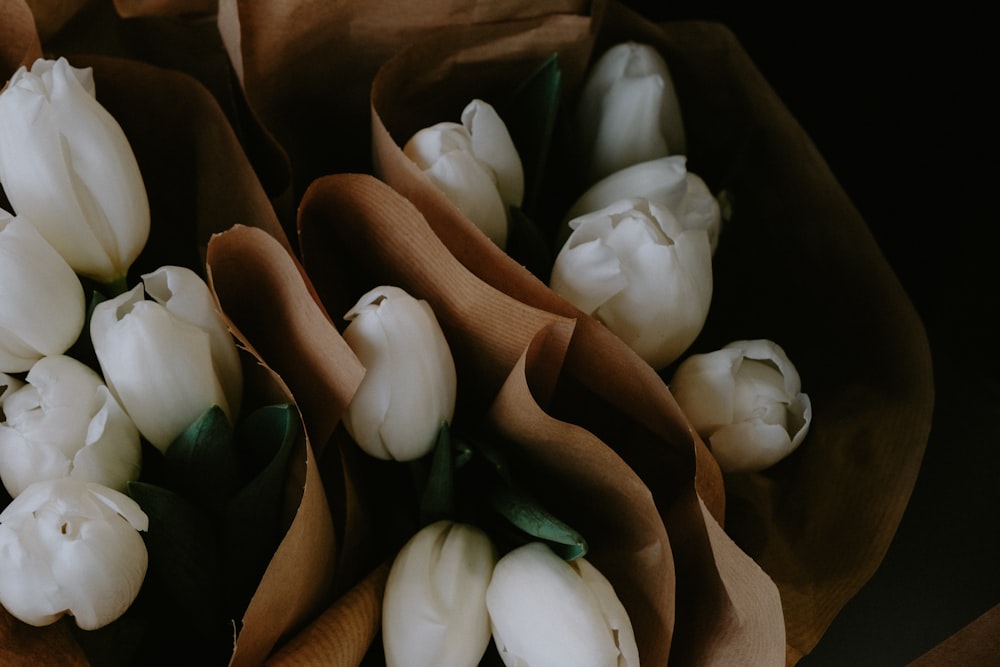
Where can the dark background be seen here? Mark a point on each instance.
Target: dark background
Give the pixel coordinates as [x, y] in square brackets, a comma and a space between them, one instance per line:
[900, 105]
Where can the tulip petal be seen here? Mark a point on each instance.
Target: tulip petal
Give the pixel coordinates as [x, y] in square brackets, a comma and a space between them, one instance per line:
[492, 144]
[543, 613]
[473, 189]
[749, 445]
[185, 295]
[434, 608]
[159, 367]
[41, 299]
[629, 131]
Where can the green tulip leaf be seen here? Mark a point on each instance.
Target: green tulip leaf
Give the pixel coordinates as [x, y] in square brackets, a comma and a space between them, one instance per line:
[535, 523]
[183, 556]
[530, 116]
[438, 498]
[201, 462]
[252, 520]
[527, 245]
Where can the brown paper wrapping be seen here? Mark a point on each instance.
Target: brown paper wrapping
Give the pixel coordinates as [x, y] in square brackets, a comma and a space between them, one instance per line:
[975, 645]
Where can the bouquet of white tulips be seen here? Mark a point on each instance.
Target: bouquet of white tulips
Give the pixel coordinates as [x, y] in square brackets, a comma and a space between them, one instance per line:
[122, 443]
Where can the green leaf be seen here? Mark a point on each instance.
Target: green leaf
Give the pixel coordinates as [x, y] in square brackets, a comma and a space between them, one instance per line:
[183, 555]
[201, 462]
[253, 517]
[535, 523]
[527, 245]
[438, 498]
[530, 116]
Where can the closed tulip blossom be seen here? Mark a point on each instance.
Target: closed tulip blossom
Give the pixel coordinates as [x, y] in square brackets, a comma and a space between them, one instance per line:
[42, 305]
[475, 164]
[434, 607]
[746, 400]
[634, 267]
[546, 612]
[67, 166]
[70, 547]
[65, 423]
[665, 181]
[169, 358]
[410, 382]
[628, 110]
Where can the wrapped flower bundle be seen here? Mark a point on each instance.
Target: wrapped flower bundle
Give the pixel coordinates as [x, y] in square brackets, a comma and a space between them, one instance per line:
[676, 553]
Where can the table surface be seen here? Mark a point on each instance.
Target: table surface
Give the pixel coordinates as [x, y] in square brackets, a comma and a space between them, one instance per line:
[898, 107]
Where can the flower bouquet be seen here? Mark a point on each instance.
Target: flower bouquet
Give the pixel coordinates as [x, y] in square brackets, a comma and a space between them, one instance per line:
[735, 567]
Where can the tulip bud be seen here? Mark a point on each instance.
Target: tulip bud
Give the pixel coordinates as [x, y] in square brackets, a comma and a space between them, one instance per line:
[633, 267]
[410, 381]
[42, 306]
[70, 547]
[546, 612]
[65, 423]
[66, 166]
[475, 164]
[665, 181]
[628, 110]
[170, 359]
[746, 401]
[434, 608]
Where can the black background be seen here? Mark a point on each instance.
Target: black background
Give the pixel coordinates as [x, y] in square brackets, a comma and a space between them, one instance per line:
[900, 105]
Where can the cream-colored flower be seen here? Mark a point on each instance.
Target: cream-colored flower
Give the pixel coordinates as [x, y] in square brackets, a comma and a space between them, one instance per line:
[410, 381]
[65, 423]
[70, 547]
[68, 168]
[168, 359]
[746, 400]
[628, 110]
[434, 608]
[42, 306]
[546, 612]
[665, 181]
[636, 269]
[475, 164]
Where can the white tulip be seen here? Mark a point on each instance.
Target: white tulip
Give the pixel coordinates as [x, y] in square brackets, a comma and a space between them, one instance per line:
[70, 547]
[628, 110]
[67, 166]
[546, 612]
[169, 359]
[434, 607]
[475, 164]
[42, 305]
[665, 181]
[636, 269]
[65, 423]
[410, 381]
[746, 400]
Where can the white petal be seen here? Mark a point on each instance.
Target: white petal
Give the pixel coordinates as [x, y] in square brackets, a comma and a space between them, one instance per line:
[472, 187]
[434, 607]
[749, 445]
[704, 387]
[41, 300]
[492, 144]
[662, 180]
[542, 613]
[185, 295]
[629, 131]
[158, 366]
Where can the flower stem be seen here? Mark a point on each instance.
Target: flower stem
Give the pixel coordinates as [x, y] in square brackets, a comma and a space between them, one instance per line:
[118, 285]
